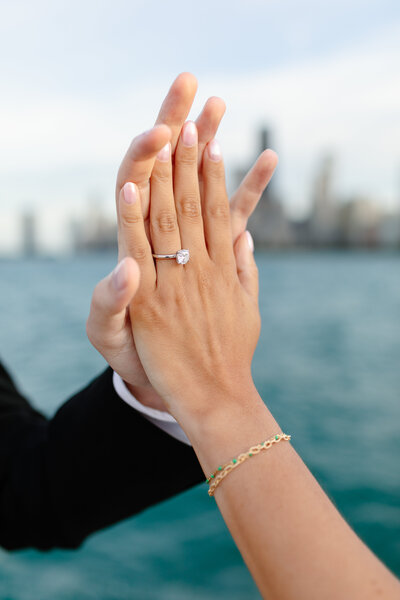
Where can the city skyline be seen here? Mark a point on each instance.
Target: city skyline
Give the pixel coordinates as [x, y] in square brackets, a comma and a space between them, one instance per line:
[332, 221]
[323, 78]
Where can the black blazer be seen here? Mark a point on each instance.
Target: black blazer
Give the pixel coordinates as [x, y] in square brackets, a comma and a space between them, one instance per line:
[97, 461]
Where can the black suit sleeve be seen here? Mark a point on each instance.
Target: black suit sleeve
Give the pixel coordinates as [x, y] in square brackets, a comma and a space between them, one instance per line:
[97, 461]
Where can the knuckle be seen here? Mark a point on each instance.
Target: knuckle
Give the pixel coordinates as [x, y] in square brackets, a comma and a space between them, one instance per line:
[241, 210]
[215, 172]
[242, 206]
[138, 252]
[187, 157]
[166, 221]
[129, 219]
[190, 207]
[219, 210]
[161, 175]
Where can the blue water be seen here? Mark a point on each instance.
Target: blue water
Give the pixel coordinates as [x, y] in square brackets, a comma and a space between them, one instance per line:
[328, 366]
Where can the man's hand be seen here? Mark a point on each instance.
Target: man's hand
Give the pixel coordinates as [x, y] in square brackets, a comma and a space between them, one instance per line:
[108, 325]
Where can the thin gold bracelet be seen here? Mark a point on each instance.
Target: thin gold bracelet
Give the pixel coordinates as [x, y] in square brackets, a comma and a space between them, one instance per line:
[222, 471]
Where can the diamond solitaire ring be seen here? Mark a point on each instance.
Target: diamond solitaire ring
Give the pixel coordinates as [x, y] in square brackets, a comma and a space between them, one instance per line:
[181, 257]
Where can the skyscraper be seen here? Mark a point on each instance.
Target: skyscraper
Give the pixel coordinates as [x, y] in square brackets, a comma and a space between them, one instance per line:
[29, 234]
[268, 225]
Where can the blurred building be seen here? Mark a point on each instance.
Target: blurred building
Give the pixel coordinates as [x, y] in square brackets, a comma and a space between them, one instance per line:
[360, 223]
[268, 225]
[335, 222]
[324, 219]
[96, 231]
[389, 230]
[29, 245]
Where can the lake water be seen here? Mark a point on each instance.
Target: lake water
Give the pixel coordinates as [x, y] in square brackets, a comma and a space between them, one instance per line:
[328, 366]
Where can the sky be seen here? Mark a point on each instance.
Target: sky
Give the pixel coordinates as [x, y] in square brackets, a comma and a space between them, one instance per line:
[78, 80]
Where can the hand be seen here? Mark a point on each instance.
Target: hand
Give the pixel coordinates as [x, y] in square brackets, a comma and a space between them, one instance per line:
[109, 331]
[195, 326]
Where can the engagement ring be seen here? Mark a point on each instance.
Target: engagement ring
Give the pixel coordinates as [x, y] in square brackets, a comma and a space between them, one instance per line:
[181, 257]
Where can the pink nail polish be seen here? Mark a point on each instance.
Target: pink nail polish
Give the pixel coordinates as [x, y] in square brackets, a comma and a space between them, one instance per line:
[250, 241]
[119, 276]
[164, 154]
[130, 193]
[214, 151]
[189, 135]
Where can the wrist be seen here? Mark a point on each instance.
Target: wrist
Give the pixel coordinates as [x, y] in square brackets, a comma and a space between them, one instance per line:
[147, 396]
[231, 426]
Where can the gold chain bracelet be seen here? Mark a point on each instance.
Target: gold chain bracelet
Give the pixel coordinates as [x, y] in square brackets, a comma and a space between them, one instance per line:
[224, 470]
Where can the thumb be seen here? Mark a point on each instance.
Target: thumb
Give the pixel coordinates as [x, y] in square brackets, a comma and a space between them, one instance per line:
[110, 299]
[246, 265]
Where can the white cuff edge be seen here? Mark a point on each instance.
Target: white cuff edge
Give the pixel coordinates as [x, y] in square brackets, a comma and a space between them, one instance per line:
[125, 394]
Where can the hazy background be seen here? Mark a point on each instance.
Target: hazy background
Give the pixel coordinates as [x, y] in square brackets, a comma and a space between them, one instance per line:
[77, 81]
[80, 79]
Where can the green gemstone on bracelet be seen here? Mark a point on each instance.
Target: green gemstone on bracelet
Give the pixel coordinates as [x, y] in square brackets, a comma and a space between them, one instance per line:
[250, 454]
[208, 480]
[234, 461]
[212, 476]
[219, 468]
[277, 437]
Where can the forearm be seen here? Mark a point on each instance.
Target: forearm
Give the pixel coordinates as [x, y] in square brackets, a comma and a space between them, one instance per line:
[195, 329]
[293, 540]
[85, 469]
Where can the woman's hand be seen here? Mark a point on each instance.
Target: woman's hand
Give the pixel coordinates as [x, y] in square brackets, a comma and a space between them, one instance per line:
[108, 325]
[195, 326]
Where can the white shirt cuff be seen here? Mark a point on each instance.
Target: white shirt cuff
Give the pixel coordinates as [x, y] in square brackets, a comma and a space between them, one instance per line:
[159, 418]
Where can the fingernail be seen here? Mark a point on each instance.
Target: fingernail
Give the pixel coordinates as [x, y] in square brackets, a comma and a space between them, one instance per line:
[119, 278]
[164, 153]
[130, 193]
[250, 241]
[214, 151]
[189, 135]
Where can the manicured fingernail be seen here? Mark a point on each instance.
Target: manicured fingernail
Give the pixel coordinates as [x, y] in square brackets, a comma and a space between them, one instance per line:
[250, 241]
[214, 151]
[164, 153]
[130, 195]
[119, 277]
[189, 135]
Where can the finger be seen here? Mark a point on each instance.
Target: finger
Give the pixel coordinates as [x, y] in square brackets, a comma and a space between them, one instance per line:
[132, 236]
[177, 104]
[246, 265]
[164, 230]
[139, 161]
[174, 111]
[216, 215]
[186, 191]
[208, 121]
[246, 198]
[111, 297]
[139, 158]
